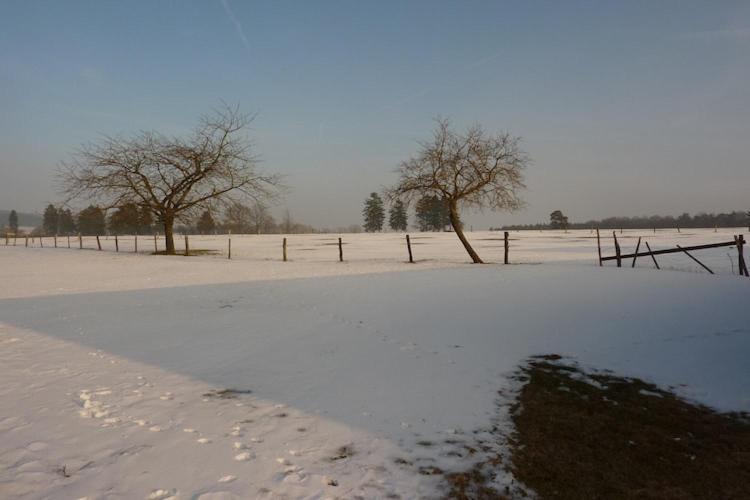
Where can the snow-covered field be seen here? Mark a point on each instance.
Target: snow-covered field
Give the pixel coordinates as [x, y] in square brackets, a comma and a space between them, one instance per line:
[437, 249]
[349, 378]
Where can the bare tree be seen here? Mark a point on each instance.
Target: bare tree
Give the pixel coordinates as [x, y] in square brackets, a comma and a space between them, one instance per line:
[172, 177]
[469, 170]
[261, 220]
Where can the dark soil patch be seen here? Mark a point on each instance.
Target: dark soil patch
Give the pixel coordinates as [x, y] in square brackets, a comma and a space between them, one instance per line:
[342, 453]
[623, 438]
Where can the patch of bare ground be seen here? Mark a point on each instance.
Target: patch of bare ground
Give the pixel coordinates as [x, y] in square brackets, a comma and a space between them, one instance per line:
[580, 435]
[591, 435]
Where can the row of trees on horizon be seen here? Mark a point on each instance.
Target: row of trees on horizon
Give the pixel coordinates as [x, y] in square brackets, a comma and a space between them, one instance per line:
[430, 214]
[558, 220]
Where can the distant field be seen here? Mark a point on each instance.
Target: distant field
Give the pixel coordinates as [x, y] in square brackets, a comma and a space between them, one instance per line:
[526, 247]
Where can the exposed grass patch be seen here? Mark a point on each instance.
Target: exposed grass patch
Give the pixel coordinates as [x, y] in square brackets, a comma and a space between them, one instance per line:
[227, 393]
[582, 436]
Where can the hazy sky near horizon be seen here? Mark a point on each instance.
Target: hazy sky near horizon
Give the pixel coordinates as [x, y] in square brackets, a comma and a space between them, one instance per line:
[626, 108]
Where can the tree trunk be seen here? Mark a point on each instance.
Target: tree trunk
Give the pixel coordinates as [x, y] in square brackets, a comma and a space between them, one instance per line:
[456, 223]
[169, 234]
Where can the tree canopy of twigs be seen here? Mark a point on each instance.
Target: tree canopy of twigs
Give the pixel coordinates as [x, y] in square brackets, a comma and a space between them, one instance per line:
[173, 177]
[473, 169]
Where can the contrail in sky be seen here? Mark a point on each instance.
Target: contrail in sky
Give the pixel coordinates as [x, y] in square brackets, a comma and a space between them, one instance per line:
[237, 24]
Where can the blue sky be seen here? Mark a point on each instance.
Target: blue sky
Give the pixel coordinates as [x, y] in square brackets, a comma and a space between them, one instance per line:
[626, 107]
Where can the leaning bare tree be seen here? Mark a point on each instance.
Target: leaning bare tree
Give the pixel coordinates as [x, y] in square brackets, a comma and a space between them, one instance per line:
[170, 176]
[469, 170]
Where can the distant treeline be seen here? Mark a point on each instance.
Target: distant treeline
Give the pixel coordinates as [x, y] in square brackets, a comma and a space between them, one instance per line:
[732, 219]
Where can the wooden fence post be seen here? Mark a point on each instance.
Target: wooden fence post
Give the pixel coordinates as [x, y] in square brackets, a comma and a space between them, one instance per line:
[741, 254]
[599, 246]
[505, 258]
[27, 242]
[653, 257]
[41, 243]
[341, 251]
[636, 251]
[229, 247]
[55, 241]
[98, 243]
[617, 250]
[117, 244]
[80, 241]
[68, 241]
[136, 243]
[156, 245]
[408, 247]
[283, 248]
[187, 246]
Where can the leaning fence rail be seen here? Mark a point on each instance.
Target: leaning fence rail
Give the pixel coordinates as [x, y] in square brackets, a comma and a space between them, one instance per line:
[739, 242]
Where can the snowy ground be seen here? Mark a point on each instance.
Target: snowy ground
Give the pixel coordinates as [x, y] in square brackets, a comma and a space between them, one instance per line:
[386, 251]
[110, 364]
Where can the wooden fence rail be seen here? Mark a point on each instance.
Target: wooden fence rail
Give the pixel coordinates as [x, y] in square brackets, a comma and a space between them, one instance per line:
[739, 242]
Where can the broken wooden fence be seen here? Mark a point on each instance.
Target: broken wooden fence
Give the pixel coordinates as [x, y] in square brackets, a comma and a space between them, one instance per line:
[739, 242]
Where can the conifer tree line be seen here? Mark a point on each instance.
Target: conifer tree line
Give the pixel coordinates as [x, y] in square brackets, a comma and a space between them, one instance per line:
[430, 212]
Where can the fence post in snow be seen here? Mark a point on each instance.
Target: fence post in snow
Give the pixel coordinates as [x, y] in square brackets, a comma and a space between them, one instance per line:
[599, 246]
[55, 241]
[136, 243]
[68, 241]
[80, 241]
[617, 250]
[341, 251]
[283, 250]
[636, 251]
[741, 254]
[98, 243]
[27, 242]
[156, 246]
[187, 246]
[117, 244]
[229, 247]
[41, 243]
[505, 258]
[408, 246]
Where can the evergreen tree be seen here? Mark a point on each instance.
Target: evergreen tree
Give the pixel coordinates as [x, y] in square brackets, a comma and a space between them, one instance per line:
[374, 213]
[398, 219]
[65, 222]
[125, 220]
[145, 221]
[557, 220]
[13, 221]
[50, 220]
[432, 213]
[206, 223]
[91, 221]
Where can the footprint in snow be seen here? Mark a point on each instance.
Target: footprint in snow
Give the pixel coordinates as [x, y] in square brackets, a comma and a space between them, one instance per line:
[161, 494]
[244, 456]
